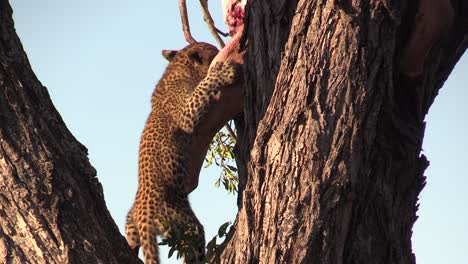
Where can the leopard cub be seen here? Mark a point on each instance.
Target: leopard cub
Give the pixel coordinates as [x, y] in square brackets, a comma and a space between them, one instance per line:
[189, 105]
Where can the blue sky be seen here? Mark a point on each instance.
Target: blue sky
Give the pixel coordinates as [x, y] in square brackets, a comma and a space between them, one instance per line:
[101, 59]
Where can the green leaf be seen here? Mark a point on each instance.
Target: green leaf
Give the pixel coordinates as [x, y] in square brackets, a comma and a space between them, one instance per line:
[171, 252]
[222, 229]
[232, 168]
[220, 153]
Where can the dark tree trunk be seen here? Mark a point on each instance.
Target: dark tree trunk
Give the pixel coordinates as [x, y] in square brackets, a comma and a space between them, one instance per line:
[329, 149]
[52, 207]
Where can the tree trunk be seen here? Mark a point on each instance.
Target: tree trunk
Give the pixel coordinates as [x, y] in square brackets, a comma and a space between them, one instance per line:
[329, 147]
[328, 150]
[52, 206]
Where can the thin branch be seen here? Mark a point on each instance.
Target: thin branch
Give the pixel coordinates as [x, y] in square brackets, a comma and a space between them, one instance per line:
[230, 131]
[185, 22]
[209, 21]
[222, 33]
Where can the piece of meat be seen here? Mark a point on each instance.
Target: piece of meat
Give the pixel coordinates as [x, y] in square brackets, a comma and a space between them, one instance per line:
[233, 11]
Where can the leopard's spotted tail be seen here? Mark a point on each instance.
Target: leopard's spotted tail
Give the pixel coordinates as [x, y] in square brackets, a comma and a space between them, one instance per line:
[146, 238]
[174, 220]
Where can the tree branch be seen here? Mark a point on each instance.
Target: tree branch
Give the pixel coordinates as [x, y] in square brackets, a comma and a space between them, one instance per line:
[185, 22]
[209, 21]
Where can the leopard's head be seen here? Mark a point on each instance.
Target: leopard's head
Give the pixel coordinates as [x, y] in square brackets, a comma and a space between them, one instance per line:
[193, 61]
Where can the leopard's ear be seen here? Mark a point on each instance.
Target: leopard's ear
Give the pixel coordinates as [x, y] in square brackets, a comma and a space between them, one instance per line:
[169, 54]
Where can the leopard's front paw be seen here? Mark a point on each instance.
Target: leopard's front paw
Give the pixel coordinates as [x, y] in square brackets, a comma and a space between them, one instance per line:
[228, 72]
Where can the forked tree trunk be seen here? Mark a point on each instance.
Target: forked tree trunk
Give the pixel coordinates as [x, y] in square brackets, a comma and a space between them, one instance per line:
[330, 145]
[329, 150]
[52, 207]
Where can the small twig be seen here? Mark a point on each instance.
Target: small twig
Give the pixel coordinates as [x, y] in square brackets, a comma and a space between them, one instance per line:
[230, 131]
[185, 22]
[209, 21]
[221, 32]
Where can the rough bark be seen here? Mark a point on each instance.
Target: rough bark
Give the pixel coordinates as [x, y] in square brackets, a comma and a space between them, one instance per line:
[52, 206]
[329, 147]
